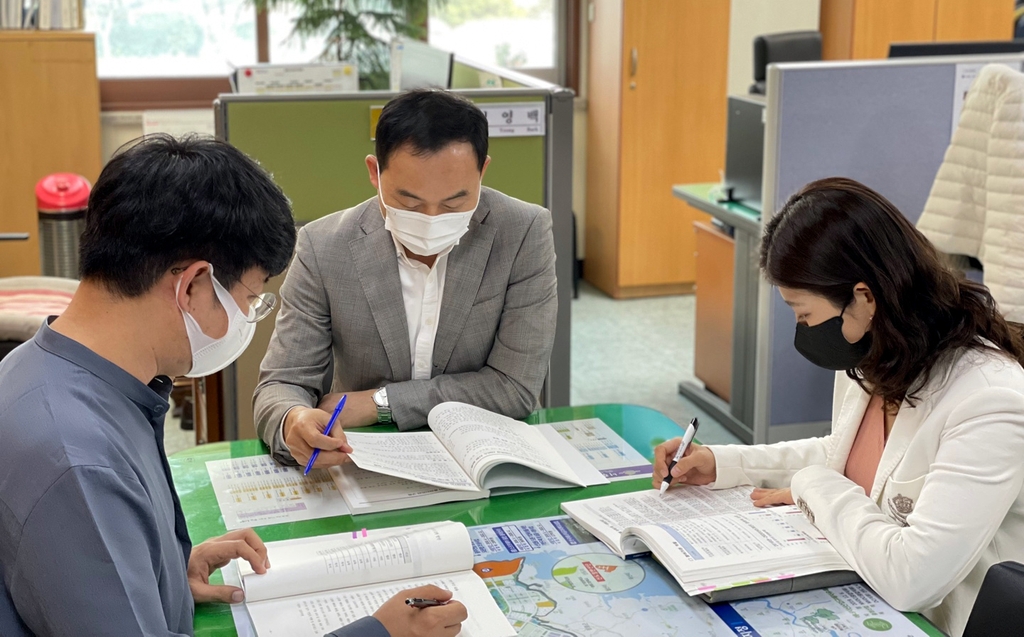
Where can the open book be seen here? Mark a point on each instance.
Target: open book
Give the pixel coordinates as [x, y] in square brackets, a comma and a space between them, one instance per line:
[468, 453]
[716, 543]
[316, 585]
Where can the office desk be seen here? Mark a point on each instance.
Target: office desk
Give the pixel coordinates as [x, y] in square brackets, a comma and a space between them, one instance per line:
[737, 415]
[641, 427]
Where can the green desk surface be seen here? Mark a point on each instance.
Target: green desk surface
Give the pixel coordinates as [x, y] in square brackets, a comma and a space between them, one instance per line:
[641, 427]
[704, 197]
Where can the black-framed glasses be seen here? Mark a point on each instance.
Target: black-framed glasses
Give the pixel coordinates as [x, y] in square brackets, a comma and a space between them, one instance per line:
[260, 305]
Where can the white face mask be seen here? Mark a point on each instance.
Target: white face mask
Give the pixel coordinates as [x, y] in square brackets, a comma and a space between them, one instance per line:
[210, 355]
[423, 234]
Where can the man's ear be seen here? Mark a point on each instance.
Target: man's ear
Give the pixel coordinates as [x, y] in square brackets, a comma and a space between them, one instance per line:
[483, 171]
[371, 168]
[186, 287]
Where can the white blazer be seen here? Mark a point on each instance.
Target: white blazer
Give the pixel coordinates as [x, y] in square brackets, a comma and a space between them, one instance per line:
[947, 500]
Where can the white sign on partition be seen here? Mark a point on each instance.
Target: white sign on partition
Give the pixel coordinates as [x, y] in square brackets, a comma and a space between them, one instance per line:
[516, 119]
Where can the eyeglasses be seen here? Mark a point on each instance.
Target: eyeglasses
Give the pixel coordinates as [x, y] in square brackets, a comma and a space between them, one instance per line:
[260, 305]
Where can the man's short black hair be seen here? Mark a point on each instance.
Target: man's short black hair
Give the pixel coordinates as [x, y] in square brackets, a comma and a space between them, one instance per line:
[163, 201]
[428, 120]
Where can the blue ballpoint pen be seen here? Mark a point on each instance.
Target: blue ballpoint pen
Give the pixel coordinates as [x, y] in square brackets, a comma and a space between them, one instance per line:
[327, 432]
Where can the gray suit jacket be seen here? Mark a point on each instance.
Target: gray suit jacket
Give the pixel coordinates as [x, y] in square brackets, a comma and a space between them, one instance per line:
[342, 324]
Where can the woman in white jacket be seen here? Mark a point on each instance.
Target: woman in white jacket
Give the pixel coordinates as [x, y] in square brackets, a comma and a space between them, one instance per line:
[919, 485]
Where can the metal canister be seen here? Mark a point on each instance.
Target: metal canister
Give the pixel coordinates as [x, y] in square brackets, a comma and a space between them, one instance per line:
[62, 199]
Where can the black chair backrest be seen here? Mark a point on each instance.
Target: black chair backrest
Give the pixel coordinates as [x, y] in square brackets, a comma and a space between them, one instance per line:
[793, 46]
[999, 609]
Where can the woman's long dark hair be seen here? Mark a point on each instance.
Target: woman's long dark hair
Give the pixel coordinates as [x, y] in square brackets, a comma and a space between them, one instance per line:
[836, 233]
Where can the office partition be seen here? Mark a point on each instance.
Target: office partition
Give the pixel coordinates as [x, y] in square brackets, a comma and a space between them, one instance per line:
[885, 123]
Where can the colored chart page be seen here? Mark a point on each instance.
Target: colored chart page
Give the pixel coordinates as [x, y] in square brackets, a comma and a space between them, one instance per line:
[552, 578]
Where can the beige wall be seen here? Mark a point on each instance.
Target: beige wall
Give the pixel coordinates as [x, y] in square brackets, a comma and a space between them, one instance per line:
[751, 18]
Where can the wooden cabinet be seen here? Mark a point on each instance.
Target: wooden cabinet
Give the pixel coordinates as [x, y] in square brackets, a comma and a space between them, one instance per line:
[49, 122]
[713, 316]
[864, 29]
[656, 117]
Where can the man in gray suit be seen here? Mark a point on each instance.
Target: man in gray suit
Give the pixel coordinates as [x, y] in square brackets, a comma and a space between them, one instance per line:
[436, 289]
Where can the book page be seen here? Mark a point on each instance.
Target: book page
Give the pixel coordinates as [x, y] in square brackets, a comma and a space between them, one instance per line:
[358, 558]
[369, 492]
[709, 553]
[417, 456]
[480, 439]
[609, 516]
[257, 490]
[604, 449]
[316, 615]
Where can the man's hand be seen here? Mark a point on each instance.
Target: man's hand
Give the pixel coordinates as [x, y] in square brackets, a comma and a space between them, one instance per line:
[216, 553]
[303, 431]
[697, 466]
[771, 497]
[359, 411]
[402, 620]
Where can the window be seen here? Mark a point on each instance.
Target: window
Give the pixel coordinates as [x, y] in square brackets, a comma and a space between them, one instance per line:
[288, 49]
[515, 34]
[149, 38]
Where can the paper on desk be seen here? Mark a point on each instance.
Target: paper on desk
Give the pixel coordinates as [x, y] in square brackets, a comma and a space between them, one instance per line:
[257, 490]
[605, 449]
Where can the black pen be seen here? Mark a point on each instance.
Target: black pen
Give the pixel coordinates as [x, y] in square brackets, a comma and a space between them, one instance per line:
[419, 602]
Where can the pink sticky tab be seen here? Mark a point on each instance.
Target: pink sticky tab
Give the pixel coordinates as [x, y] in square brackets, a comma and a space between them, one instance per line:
[364, 532]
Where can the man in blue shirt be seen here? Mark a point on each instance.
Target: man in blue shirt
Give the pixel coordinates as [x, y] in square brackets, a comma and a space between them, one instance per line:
[180, 237]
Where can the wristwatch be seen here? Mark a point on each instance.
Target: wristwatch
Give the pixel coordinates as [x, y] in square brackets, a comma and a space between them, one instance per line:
[380, 398]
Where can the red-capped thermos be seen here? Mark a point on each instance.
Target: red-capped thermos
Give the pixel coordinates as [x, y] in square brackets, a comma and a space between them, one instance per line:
[62, 199]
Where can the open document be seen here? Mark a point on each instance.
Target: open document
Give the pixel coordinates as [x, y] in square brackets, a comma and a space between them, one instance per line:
[257, 490]
[716, 541]
[316, 585]
[467, 453]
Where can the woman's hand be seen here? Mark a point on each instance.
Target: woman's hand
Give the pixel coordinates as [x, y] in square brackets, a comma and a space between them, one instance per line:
[697, 466]
[771, 497]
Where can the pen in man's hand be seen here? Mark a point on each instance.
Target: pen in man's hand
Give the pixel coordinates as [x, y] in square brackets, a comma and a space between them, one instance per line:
[419, 602]
[691, 431]
[327, 432]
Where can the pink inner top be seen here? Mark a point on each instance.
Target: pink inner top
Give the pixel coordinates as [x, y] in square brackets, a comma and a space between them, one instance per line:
[862, 463]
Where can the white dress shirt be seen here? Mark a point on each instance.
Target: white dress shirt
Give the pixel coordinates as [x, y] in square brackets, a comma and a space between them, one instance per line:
[422, 288]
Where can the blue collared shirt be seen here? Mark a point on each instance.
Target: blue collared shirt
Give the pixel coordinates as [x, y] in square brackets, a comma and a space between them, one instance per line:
[92, 537]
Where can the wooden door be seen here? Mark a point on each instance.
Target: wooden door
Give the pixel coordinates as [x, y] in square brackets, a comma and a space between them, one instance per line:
[962, 20]
[675, 55]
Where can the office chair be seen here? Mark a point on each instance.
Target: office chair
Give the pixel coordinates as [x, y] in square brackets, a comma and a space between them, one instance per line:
[794, 46]
[999, 609]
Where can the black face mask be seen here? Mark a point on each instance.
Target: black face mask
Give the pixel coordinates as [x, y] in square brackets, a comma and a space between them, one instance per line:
[825, 346]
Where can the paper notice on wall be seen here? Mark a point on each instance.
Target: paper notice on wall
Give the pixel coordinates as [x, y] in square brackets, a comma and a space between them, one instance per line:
[965, 76]
[179, 122]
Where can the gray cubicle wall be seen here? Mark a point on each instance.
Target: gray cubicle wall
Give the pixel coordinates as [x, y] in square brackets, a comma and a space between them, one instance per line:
[886, 123]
